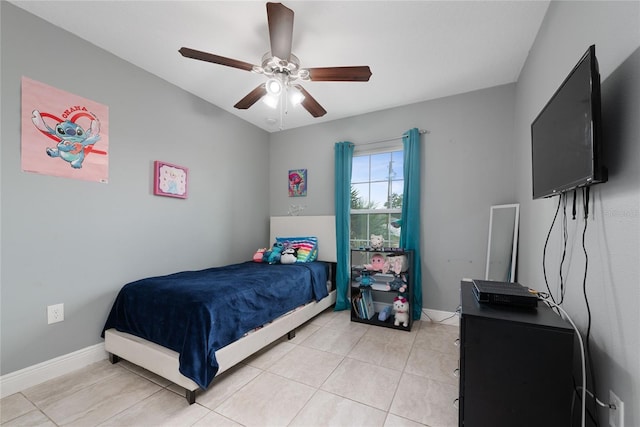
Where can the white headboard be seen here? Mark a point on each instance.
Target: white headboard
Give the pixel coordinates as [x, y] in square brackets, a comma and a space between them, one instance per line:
[323, 227]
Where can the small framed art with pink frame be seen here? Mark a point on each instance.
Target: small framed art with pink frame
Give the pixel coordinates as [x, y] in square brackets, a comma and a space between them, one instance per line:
[170, 180]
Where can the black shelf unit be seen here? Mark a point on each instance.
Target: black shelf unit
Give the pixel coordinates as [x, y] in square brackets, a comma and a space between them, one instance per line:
[360, 258]
[516, 365]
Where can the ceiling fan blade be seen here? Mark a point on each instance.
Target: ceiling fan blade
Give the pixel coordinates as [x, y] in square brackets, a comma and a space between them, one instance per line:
[210, 57]
[280, 19]
[340, 74]
[252, 97]
[310, 104]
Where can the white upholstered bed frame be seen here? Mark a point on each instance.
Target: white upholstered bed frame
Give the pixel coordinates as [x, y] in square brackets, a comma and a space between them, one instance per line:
[164, 362]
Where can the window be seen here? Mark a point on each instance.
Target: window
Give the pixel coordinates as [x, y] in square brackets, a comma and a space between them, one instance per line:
[377, 183]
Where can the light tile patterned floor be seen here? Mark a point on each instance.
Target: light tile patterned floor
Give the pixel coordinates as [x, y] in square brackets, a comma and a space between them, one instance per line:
[333, 373]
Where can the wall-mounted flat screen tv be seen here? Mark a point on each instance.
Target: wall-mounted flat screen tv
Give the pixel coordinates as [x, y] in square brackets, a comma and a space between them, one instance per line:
[566, 137]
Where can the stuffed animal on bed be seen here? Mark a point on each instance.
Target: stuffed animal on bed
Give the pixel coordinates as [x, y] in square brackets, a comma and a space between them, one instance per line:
[259, 255]
[289, 256]
[401, 311]
[275, 253]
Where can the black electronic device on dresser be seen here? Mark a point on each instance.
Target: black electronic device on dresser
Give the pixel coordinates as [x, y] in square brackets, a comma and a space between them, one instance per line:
[506, 293]
[516, 365]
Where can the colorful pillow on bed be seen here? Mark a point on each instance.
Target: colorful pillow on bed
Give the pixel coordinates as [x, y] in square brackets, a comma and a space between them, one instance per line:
[307, 247]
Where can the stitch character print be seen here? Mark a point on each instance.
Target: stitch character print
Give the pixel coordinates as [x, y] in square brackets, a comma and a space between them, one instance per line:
[74, 143]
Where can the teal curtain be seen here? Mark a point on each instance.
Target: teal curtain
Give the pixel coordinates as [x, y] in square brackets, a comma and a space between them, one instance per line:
[410, 230]
[343, 158]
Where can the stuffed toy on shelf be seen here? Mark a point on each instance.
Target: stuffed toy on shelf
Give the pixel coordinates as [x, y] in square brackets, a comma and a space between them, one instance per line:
[397, 264]
[376, 241]
[401, 311]
[365, 278]
[377, 263]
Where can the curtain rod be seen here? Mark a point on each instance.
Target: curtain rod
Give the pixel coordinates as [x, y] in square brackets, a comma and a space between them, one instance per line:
[421, 132]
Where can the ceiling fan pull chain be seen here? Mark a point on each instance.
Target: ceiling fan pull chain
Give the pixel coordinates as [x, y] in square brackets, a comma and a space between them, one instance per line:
[283, 102]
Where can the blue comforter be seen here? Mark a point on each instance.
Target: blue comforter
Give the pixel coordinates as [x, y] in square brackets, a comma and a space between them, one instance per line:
[196, 313]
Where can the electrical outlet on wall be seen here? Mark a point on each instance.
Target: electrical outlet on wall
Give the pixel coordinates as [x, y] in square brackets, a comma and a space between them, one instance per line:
[616, 416]
[55, 313]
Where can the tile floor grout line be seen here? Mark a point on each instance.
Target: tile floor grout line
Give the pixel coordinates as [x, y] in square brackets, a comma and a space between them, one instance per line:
[302, 408]
[136, 402]
[262, 371]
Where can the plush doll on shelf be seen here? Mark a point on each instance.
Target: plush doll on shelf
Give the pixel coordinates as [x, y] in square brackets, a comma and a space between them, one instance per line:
[398, 283]
[376, 241]
[377, 263]
[385, 313]
[401, 311]
[289, 256]
[397, 264]
[365, 278]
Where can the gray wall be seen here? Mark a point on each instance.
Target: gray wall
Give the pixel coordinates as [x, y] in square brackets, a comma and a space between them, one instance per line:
[77, 242]
[467, 166]
[613, 232]
[479, 142]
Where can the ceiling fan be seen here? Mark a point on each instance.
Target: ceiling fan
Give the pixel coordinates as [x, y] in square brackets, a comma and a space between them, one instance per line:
[282, 67]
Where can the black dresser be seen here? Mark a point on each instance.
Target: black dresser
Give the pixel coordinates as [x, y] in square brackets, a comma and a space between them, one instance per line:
[515, 365]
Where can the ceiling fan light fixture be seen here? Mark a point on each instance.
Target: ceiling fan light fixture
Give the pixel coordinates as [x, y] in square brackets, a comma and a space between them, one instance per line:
[274, 87]
[270, 100]
[296, 97]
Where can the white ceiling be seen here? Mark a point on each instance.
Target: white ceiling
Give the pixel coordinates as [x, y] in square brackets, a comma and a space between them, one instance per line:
[417, 50]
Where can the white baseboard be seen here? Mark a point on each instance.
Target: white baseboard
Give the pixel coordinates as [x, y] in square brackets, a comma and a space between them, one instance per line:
[444, 317]
[33, 375]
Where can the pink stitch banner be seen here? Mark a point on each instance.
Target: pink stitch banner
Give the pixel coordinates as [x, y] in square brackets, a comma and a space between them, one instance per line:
[63, 134]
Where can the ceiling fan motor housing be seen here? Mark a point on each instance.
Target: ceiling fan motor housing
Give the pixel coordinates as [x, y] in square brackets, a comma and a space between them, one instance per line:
[272, 66]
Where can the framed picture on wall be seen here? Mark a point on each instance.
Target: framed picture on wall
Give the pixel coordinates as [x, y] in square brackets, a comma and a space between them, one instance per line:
[297, 182]
[63, 134]
[170, 180]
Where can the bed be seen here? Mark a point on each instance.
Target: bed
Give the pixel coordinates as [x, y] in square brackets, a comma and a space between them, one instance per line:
[169, 325]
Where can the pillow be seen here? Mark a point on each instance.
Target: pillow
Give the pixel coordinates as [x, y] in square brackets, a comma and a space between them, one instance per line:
[307, 247]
